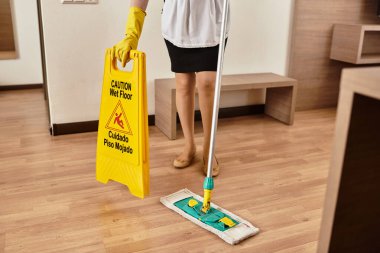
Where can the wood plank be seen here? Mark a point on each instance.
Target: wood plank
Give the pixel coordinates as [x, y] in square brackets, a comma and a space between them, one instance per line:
[271, 174]
[346, 42]
[165, 109]
[8, 55]
[2, 242]
[280, 103]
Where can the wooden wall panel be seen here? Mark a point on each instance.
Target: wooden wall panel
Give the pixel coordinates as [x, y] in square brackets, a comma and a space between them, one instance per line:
[318, 76]
[6, 27]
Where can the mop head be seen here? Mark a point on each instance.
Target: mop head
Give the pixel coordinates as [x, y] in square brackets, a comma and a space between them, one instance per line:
[228, 226]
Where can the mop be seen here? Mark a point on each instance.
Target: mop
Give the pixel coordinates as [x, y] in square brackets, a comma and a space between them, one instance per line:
[228, 226]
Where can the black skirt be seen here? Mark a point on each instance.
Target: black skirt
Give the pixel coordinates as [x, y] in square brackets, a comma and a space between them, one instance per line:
[188, 60]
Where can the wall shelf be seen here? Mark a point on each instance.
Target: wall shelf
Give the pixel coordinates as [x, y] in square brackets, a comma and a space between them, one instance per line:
[356, 43]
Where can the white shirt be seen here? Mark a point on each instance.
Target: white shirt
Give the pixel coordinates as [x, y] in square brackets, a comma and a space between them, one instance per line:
[193, 23]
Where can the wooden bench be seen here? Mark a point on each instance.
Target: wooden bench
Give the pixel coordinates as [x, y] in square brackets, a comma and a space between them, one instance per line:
[279, 103]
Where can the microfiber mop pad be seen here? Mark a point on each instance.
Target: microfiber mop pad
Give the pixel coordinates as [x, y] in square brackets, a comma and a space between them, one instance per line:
[228, 226]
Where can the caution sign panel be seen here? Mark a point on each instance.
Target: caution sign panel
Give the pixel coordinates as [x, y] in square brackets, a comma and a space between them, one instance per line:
[122, 148]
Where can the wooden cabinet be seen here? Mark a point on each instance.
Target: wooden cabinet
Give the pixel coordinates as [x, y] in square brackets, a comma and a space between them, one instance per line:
[351, 217]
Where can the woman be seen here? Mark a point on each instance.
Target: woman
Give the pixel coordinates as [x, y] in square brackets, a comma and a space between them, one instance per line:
[191, 29]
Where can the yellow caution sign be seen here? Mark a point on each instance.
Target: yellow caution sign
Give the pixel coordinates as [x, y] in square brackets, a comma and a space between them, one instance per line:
[123, 150]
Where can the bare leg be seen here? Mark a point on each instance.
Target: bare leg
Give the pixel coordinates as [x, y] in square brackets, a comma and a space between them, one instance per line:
[185, 93]
[206, 85]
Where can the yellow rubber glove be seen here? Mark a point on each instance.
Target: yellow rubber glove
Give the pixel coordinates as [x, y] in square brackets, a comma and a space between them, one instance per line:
[133, 31]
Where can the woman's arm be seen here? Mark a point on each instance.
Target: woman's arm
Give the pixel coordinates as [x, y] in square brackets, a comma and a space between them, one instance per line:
[133, 31]
[142, 4]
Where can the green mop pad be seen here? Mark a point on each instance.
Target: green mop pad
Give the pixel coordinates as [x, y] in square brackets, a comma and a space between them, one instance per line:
[213, 217]
[228, 226]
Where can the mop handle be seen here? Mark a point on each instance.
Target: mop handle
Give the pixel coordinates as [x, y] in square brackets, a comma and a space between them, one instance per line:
[218, 84]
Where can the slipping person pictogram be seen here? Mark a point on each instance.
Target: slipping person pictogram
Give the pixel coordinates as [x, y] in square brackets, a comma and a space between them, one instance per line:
[118, 120]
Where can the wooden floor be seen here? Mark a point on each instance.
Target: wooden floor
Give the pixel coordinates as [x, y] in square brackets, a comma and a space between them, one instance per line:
[272, 175]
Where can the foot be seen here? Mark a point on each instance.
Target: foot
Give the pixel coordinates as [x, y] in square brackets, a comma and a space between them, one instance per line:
[185, 158]
[215, 167]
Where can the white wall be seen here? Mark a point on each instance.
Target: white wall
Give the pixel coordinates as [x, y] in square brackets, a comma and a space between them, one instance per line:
[77, 35]
[27, 68]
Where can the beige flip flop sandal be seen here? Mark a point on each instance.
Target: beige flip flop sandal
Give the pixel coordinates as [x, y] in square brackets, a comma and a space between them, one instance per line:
[181, 164]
